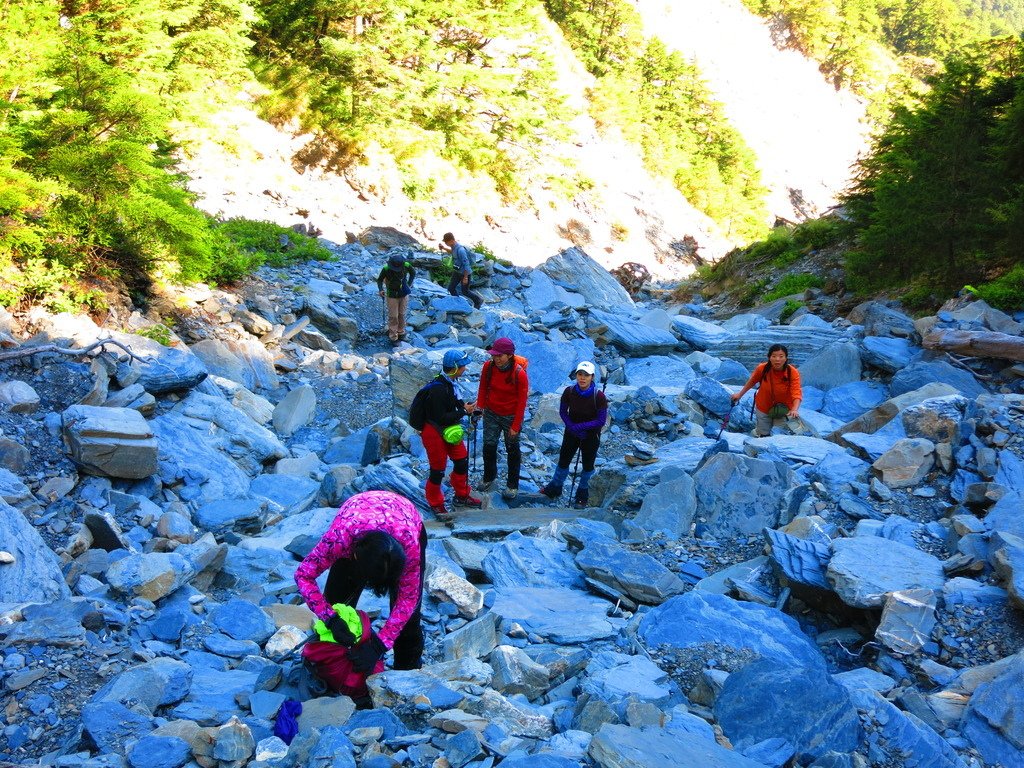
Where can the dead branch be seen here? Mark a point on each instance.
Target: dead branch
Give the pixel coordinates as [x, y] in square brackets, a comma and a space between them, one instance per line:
[977, 344]
[15, 354]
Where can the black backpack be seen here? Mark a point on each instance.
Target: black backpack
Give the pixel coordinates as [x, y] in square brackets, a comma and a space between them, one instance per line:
[418, 409]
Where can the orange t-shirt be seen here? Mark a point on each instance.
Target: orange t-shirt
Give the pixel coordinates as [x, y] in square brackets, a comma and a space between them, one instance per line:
[779, 387]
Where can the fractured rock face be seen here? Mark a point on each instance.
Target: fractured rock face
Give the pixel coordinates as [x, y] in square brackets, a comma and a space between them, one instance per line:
[111, 442]
[865, 569]
[906, 463]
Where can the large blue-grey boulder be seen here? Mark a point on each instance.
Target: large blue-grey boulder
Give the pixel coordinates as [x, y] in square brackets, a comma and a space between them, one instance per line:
[542, 292]
[111, 725]
[765, 700]
[573, 267]
[286, 494]
[835, 365]
[159, 752]
[619, 746]
[880, 320]
[887, 353]
[752, 348]
[937, 419]
[699, 334]
[35, 575]
[800, 561]
[154, 684]
[709, 394]
[550, 363]
[980, 312]
[168, 369]
[242, 620]
[633, 338]
[706, 621]
[616, 679]
[738, 495]
[659, 371]
[917, 375]
[563, 616]
[527, 561]
[240, 515]
[864, 569]
[994, 720]
[797, 448]
[848, 401]
[668, 509]
[1005, 516]
[149, 575]
[213, 696]
[635, 574]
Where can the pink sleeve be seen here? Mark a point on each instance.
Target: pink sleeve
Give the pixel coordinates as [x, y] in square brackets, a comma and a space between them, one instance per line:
[335, 544]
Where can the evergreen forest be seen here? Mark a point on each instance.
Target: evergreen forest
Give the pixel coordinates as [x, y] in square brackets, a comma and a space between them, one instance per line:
[96, 95]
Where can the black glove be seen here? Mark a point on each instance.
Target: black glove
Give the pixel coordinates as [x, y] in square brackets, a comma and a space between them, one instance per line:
[364, 657]
[342, 634]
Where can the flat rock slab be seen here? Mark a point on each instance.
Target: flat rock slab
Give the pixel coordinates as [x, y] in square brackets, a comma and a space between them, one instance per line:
[865, 568]
[619, 746]
[468, 522]
[559, 615]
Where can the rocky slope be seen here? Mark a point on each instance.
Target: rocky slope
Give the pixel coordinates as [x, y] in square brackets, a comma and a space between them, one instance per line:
[847, 595]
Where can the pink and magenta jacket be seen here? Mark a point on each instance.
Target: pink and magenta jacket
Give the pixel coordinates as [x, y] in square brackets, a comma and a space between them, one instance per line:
[364, 512]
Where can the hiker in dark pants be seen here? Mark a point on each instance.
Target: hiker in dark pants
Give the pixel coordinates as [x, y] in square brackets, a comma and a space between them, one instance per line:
[584, 411]
[378, 541]
[778, 390]
[462, 264]
[501, 396]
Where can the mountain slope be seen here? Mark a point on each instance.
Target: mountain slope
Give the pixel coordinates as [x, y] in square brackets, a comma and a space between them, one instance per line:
[805, 133]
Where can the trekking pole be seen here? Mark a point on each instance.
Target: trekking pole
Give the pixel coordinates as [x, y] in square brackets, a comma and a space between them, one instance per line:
[575, 472]
[725, 421]
[384, 313]
[287, 655]
[474, 422]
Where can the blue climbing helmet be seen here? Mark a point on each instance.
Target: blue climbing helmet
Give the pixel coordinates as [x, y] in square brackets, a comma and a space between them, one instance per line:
[454, 358]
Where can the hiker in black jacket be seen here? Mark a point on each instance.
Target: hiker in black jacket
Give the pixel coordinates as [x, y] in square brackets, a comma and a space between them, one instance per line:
[442, 434]
[397, 276]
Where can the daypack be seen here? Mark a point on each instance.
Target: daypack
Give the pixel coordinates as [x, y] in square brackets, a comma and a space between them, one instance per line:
[418, 409]
[518, 362]
[332, 665]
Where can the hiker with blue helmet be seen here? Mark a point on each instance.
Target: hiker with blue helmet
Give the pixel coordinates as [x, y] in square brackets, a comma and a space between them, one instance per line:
[584, 411]
[395, 283]
[462, 269]
[443, 411]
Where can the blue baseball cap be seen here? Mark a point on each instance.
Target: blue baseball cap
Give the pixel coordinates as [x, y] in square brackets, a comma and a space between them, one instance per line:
[454, 358]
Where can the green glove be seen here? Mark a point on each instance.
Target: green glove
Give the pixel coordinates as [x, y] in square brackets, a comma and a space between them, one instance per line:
[351, 618]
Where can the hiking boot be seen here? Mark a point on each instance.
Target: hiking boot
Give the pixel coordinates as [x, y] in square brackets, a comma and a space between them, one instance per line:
[442, 512]
[580, 502]
[509, 493]
[468, 501]
[551, 491]
[486, 487]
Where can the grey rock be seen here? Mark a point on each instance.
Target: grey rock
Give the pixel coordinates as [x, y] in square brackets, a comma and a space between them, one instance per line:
[848, 401]
[738, 495]
[575, 268]
[329, 318]
[702, 620]
[636, 574]
[633, 338]
[474, 640]
[833, 366]
[819, 715]
[937, 419]
[150, 575]
[907, 620]
[709, 394]
[800, 561]
[668, 508]
[110, 442]
[240, 515]
[659, 371]
[797, 448]
[517, 673]
[35, 573]
[445, 586]
[993, 719]
[167, 369]
[699, 334]
[517, 719]
[752, 348]
[866, 568]
[887, 353]
[880, 320]
[18, 396]
[111, 726]
[288, 493]
[993, 319]
[618, 680]
[619, 746]
[559, 615]
[154, 684]
[1008, 561]
[550, 362]
[295, 410]
[906, 463]
[243, 621]
[917, 375]
[159, 752]
[521, 561]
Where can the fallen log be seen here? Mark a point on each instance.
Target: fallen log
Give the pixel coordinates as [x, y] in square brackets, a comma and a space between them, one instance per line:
[28, 351]
[977, 344]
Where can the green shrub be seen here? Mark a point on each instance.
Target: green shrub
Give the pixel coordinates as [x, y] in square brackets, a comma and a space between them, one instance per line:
[816, 234]
[158, 332]
[1006, 292]
[778, 248]
[793, 283]
[442, 273]
[752, 292]
[789, 309]
[263, 242]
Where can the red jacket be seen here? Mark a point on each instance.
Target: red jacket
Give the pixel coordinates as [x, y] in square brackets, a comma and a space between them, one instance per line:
[504, 392]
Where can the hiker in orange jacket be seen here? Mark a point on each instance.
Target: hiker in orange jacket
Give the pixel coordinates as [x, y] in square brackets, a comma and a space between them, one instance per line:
[778, 390]
[504, 386]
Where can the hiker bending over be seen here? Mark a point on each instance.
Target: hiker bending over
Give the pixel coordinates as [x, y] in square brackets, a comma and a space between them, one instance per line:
[395, 282]
[462, 272]
[443, 411]
[502, 398]
[378, 541]
[584, 410]
[778, 390]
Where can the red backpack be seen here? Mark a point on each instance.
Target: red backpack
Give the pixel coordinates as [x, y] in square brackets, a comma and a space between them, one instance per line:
[330, 660]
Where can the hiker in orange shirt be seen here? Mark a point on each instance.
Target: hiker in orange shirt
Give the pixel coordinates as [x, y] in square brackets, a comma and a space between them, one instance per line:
[778, 390]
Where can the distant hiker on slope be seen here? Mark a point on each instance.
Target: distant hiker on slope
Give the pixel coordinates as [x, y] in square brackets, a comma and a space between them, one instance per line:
[437, 411]
[502, 398]
[584, 411]
[395, 283]
[378, 541]
[778, 390]
[462, 264]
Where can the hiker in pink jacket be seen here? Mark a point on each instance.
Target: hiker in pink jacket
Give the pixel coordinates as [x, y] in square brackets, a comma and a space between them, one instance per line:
[376, 541]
